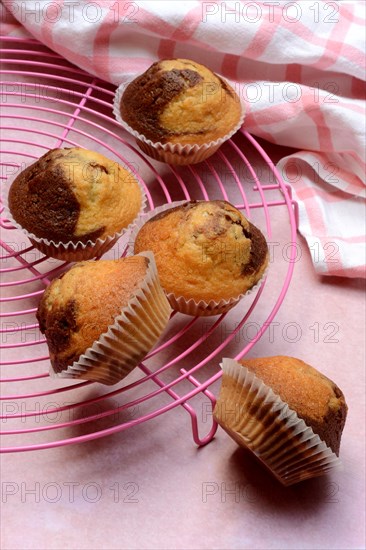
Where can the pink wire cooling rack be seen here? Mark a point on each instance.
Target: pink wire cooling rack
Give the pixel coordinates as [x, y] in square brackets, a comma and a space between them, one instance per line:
[48, 103]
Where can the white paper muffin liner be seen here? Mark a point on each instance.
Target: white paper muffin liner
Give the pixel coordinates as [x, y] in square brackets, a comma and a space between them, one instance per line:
[135, 331]
[257, 419]
[180, 304]
[173, 153]
[72, 252]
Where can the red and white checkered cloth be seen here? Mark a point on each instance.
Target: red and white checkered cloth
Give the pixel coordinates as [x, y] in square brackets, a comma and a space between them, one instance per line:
[300, 66]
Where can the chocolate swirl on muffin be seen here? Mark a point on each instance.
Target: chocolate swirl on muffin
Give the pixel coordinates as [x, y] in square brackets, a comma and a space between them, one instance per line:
[205, 250]
[180, 101]
[74, 195]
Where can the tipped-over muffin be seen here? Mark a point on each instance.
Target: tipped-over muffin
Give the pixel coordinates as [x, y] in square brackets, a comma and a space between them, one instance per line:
[117, 303]
[205, 251]
[180, 102]
[315, 398]
[73, 195]
[286, 412]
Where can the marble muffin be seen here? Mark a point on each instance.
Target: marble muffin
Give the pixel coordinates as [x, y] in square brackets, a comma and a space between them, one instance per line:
[74, 195]
[316, 399]
[204, 250]
[180, 101]
[82, 304]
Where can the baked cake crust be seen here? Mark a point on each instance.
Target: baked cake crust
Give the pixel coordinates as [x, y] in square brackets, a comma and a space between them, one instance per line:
[180, 101]
[74, 195]
[205, 250]
[78, 307]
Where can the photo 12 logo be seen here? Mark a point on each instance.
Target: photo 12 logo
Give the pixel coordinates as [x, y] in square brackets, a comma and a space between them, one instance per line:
[271, 11]
[69, 491]
[52, 412]
[290, 332]
[225, 491]
[36, 92]
[72, 11]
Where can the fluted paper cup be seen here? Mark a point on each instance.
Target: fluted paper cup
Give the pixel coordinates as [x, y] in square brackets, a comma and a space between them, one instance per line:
[134, 332]
[257, 419]
[172, 153]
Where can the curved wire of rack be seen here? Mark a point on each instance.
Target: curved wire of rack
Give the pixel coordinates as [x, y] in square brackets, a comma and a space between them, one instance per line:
[48, 103]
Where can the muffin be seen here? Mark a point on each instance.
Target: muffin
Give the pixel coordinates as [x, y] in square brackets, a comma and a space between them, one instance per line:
[74, 203]
[179, 111]
[286, 412]
[101, 318]
[207, 253]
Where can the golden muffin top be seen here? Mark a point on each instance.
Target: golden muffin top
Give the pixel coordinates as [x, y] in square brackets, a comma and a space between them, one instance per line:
[74, 194]
[301, 386]
[80, 305]
[180, 101]
[204, 250]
